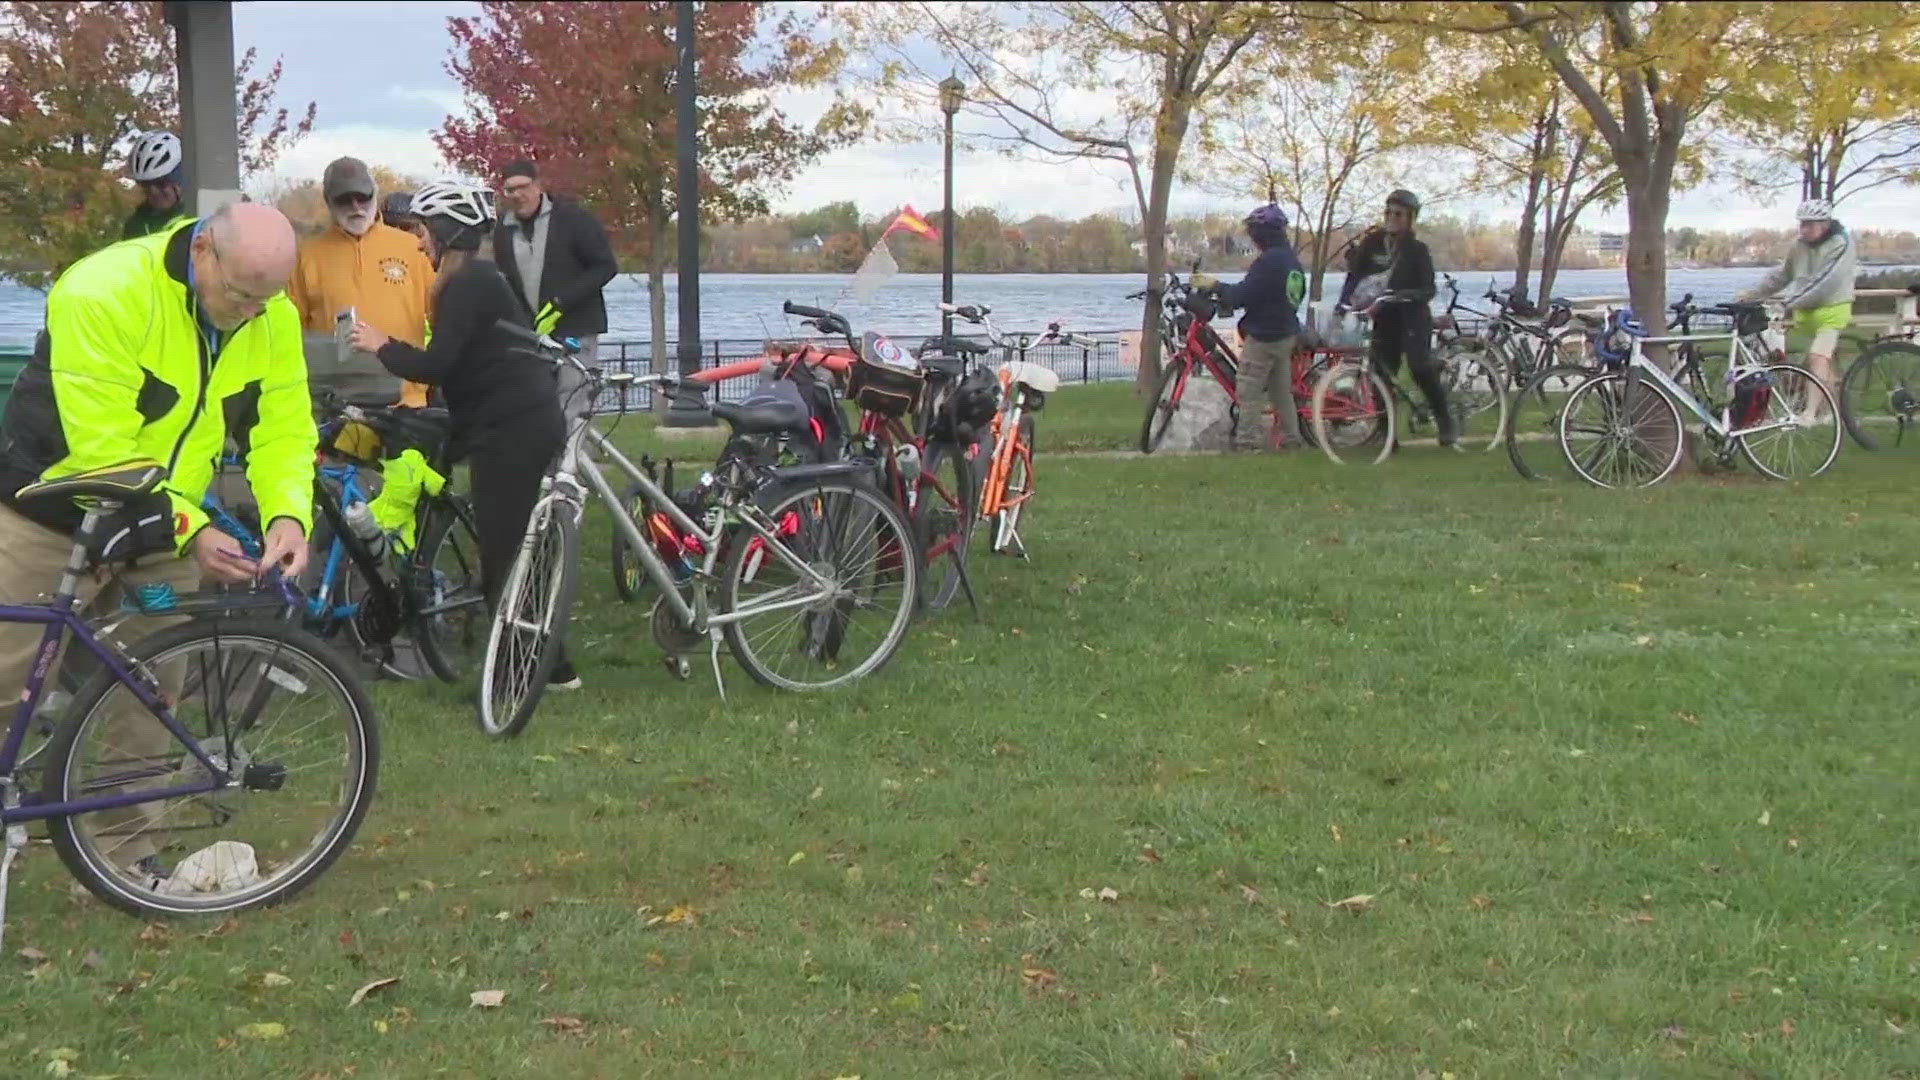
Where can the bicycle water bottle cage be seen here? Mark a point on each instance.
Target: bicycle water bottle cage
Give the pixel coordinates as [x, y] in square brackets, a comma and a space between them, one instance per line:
[152, 598]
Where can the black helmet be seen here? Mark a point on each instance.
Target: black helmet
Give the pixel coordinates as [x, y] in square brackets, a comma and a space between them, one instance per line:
[1406, 200]
[397, 209]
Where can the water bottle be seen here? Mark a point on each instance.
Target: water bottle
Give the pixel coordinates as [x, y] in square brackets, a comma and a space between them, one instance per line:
[360, 520]
[907, 457]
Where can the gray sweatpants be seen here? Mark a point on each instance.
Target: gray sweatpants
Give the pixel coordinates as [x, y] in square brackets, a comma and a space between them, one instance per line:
[1266, 379]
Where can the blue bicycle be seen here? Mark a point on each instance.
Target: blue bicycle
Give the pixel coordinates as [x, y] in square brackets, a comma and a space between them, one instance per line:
[217, 765]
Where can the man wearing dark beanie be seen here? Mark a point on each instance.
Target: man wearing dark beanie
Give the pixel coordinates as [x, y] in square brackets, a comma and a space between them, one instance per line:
[556, 258]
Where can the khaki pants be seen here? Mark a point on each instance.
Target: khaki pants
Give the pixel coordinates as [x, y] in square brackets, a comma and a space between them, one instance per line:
[1266, 377]
[31, 558]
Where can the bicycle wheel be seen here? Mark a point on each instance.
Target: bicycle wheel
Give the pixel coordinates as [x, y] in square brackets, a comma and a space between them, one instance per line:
[945, 512]
[449, 589]
[1880, 394]
[1166, 400]
[530, 620]
[1808, 442]
[1533, 423]
[1477, 397]
[1015, 493]
[272, 706]
[1353, 414]
[1616, 434]
[791, 634]
[629, 580]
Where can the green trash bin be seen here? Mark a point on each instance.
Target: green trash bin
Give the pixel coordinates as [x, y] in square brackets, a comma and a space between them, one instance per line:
[10, 364]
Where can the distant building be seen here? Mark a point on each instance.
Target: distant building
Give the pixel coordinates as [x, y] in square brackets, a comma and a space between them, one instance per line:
[1609, 249]
[807, 245]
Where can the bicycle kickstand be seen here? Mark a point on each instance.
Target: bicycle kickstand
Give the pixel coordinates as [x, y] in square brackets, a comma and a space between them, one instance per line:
[966, 586]
[713, 636]
[16, 842]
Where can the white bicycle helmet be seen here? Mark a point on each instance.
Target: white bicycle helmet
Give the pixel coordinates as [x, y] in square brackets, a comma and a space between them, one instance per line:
[457, 213]
[155, 156]
[1815, 210]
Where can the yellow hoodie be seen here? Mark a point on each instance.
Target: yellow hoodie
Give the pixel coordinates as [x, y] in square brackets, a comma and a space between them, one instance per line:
[383, 276]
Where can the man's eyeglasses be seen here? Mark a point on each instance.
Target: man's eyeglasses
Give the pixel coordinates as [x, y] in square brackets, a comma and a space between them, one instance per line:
[348, 200]
[518, 189]
[235, 296]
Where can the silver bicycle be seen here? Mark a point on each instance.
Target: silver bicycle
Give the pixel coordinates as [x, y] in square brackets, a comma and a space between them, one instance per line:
[806, 572]
[1623, 427]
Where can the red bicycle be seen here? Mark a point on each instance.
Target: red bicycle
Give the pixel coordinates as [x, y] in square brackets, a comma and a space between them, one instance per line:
[1196, 351]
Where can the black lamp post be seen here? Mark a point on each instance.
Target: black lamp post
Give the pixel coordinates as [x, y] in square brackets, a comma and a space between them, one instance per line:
[686, 194]
[952, 94]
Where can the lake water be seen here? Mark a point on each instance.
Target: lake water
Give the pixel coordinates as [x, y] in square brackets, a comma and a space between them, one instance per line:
[746, 307]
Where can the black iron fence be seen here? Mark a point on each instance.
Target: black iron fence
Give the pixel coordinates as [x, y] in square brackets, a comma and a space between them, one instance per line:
[1098, 362]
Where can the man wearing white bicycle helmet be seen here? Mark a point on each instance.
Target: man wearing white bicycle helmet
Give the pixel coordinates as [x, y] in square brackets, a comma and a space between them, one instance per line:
[502, 402]
[1816, 284]
[158, 165]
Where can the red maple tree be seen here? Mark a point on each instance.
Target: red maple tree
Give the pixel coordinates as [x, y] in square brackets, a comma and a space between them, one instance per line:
[587, 90]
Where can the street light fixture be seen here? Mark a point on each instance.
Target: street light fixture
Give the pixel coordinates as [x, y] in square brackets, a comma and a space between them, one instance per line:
[953, 93]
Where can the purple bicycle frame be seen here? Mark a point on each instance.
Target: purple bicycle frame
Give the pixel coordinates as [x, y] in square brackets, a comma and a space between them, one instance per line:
[60, 620]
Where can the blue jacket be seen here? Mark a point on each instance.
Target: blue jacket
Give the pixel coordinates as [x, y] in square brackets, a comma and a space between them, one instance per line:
[1269, 295]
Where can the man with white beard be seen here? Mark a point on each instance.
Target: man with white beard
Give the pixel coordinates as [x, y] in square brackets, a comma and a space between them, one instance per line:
[362, 264]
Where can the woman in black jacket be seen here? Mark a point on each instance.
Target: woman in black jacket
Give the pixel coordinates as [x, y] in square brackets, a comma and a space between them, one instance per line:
[501, 401]
[1390, 277]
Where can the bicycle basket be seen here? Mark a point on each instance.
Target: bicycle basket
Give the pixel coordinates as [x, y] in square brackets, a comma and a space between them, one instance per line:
[884, 379]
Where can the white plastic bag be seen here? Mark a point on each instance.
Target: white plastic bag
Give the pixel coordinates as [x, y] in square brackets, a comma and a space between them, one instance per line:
[224, 866]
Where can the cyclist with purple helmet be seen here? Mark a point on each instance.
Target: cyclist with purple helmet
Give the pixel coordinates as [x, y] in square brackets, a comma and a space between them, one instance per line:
[1269, 301]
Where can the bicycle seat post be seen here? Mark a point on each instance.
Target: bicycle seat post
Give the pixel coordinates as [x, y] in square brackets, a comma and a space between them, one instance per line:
[96, 511]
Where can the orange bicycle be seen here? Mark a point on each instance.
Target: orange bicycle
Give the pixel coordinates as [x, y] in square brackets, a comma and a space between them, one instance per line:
[1008, 484]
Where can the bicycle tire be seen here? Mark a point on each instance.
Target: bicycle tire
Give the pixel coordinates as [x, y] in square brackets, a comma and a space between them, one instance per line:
[630, 581]
[1647, 422]
[295, 652]
[948, 517]
[1533, 423]
[1152, 434]
[1899, 362]
[1371, 425]
[850, 513]
[543, 575]
[449, 527]
[1477, 397]
[1789, 380]
[1018, 486]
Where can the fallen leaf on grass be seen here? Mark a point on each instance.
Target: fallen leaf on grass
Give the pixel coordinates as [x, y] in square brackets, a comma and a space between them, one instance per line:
[32, 955]
[92, 961]
[1148, 855]
[1673, 1031]
[155, 934]
[797, 856]
[1630, 586]
[487, 999]
[1766, 818]
[1035, 978]
[1109, 895]
[564, 1025]
[60, 1062]
[274, 978]
[1354, 904]
[262, 1032]
[373, 987]
[1250, 894]
[1337, 838]
[1786, 1029]
[1480, 903]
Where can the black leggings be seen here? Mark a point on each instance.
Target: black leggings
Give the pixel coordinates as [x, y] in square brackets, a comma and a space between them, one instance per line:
[505, 463]
[1407, 330]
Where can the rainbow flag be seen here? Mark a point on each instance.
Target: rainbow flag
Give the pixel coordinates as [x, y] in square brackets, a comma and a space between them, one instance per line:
[913, 223]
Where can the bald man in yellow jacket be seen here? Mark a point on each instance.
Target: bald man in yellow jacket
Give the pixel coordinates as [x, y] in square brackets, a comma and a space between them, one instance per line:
[364, 264]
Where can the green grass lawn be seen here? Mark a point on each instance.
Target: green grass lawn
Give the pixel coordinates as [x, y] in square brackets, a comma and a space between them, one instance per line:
[1626, 779]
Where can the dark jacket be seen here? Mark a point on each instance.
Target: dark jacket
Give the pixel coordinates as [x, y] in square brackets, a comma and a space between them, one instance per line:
[1270, 294]
[485, 381]
[1411, 278]
[579, 264]
[145, 221]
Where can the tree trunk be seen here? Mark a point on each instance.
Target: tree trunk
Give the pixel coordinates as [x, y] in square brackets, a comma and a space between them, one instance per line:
[1523, 240]
[1170, 131]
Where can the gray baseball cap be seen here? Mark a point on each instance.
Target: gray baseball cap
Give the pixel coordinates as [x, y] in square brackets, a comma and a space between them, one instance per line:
[347, 176]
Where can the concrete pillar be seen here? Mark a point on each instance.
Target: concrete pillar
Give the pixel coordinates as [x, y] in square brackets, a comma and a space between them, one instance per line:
[209, 114]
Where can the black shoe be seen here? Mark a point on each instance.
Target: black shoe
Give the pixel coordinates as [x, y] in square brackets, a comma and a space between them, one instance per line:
[1449, 436]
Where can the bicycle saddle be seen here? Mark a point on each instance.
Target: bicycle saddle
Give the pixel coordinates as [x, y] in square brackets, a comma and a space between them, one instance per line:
[1032, 376]
[122, 480]
[762, 414]
[952, 346]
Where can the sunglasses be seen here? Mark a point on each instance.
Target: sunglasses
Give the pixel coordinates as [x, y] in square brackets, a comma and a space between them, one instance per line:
[352, 198]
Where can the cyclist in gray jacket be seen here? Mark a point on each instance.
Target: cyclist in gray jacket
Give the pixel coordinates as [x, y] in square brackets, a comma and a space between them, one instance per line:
[1816, 284]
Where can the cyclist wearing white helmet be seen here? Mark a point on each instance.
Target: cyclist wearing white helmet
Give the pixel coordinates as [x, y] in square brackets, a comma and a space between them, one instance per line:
[501, 401]
[1816, 283]
[158, 165]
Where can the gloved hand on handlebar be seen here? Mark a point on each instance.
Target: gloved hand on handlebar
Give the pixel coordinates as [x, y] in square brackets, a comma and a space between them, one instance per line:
[548, 318]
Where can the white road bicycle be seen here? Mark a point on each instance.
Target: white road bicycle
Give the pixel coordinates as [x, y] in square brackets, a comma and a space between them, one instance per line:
[1624, 426]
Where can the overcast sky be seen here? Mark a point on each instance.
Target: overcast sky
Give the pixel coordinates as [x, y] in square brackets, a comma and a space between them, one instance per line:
[378, 73]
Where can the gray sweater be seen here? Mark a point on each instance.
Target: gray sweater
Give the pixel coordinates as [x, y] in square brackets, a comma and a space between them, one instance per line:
[1813, 275]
